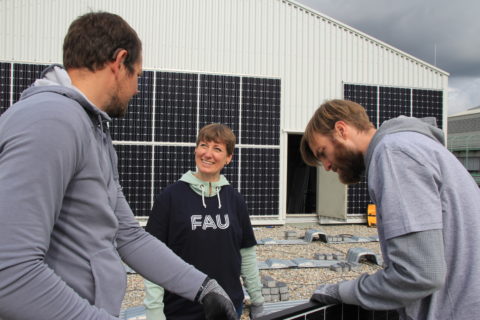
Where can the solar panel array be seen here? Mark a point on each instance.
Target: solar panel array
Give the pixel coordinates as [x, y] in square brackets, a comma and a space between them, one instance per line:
[5, 86]
[383, 103]
[155, 140]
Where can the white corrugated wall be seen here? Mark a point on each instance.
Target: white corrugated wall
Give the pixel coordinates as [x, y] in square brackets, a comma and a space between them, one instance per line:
[311, 53]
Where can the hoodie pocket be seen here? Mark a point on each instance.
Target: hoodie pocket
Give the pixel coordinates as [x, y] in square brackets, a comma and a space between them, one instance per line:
[110, 280]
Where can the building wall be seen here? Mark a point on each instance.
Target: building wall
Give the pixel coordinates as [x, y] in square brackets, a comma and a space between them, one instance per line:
[464, 140]
[312, 54]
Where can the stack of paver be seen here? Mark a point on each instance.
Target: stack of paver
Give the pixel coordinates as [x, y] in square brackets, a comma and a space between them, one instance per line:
[274, 291]
[291, 235]
[341, 265]
[329, 256]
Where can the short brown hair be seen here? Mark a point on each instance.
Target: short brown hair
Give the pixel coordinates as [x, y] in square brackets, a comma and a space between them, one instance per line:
[94, 39]
[219, 133]
[323, 122]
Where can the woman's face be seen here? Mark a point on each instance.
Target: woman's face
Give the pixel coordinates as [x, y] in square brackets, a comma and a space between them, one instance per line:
[210, 158]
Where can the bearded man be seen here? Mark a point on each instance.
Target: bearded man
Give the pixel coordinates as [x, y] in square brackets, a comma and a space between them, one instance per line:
[428, 212]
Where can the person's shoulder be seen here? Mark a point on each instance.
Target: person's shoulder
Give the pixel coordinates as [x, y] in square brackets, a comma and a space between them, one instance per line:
[49, 106]
[230, 189]
[407, 141]
[48, 115]
[174, 188]
[234, 193]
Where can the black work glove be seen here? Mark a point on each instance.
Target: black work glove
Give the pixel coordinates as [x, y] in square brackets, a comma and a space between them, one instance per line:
[216, 303]
[326, 294]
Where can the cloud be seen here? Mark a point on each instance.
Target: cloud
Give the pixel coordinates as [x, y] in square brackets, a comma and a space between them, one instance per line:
[444, 33]
[463, 93]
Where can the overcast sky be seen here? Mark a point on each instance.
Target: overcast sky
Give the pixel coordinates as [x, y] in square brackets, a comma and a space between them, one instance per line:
[418, 27]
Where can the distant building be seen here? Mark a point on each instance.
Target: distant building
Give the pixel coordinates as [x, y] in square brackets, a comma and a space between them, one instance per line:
[464, 139]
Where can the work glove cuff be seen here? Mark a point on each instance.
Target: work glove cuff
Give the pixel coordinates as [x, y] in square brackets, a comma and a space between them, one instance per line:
[327, 294]
[215, 301]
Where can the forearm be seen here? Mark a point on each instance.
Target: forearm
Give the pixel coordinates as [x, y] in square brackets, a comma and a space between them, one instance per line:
[416, 270]
[154, 301]
[152, 258]
[157, 263]
[250, 274]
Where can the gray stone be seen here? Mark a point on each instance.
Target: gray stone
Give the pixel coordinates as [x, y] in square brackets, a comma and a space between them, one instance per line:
[274, 290]
[284, 296]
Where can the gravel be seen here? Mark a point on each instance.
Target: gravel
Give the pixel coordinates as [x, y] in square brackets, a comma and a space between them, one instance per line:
[301, 282]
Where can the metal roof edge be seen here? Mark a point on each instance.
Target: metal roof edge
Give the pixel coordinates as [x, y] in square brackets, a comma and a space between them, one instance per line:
[363, 34]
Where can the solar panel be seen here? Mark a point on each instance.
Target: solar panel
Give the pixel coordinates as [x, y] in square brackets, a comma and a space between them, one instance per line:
[394, 102]
[171, 162]
[219, 100]
[5, 86]
[428, 103]
[367, 96]
[137, 124]
[260, 111]
[134, 166]
[390, 102]
[176, 100]
[260, 180]
[155, 140]
[23, 76]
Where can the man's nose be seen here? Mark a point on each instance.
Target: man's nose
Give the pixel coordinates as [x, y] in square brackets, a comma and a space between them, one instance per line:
[327, 164]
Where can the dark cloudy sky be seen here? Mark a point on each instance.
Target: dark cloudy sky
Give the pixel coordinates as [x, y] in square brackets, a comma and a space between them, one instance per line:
[418, 27]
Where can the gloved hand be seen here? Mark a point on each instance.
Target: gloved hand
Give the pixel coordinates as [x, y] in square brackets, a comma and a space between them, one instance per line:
[256, 311]
[216, 303]
[326, 294]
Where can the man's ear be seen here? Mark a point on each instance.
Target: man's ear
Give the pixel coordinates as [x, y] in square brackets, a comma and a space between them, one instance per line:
[118, 59]
[341, 129]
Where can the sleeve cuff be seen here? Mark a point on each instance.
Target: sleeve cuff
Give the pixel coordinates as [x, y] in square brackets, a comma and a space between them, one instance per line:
[346, 291]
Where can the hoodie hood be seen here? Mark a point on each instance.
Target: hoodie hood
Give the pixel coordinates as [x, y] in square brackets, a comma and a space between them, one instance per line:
[205, 188]
[55, 79]
[426, 126]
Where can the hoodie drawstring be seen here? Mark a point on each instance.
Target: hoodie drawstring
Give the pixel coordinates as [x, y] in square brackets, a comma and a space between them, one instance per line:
[203, 195]
[217, 189]
[218, 196]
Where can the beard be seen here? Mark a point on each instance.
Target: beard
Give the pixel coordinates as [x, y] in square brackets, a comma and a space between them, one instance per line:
[116, 108]
[349, 164]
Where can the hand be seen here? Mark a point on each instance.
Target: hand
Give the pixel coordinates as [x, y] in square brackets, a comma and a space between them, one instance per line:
[326, 294]
[216, 303]
[256, 311]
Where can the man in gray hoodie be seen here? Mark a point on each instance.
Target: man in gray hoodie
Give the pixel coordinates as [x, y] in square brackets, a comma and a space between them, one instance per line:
[428, 212]
[66, 226]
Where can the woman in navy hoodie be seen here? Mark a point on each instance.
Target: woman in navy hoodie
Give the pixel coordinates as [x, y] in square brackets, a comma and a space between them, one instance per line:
[204, 220]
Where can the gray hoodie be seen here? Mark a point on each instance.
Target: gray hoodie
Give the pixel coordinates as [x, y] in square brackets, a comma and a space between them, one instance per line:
[66, 226]
[428, 217]
[426, 126]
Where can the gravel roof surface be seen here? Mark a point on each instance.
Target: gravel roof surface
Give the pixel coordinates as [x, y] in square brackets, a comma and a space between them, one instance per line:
[301, 282]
